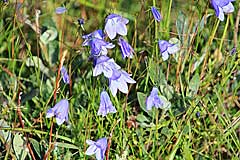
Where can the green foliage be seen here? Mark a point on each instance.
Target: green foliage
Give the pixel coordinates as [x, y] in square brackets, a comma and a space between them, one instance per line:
[199, 84]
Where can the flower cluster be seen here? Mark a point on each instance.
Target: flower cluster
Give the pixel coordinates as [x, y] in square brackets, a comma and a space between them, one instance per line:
[114, 25]
[118, 79]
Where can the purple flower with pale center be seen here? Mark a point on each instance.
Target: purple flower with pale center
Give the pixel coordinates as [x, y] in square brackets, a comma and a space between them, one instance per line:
[167, 48]
[119, 80]
[65, 75]
[154, 100]
[156, 14]
[126, 49]
[105, 65]
[60, 110]
[97, 43]
[106, 105]
[115, 24]
[60, 10]
[99, 148]
[221, 7]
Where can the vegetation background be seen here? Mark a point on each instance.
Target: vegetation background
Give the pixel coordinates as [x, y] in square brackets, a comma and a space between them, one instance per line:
[201, 81]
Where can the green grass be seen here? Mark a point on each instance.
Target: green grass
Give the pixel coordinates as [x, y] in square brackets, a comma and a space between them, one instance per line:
[202, 78]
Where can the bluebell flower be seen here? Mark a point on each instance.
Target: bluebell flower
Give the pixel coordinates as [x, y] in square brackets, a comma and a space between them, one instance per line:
[221, 7]
[126, 49]
[97, 43]
[154, 100]
[65, 75]
[119, 80]
[105, 65]
[99, 148]
[89, 37]
[167, 48]
[106, 105]
[156, 14]
[60, 10]
[115, 24]
[60, 110]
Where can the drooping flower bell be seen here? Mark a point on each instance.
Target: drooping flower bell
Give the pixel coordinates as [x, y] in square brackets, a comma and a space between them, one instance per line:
[106, 105]
[119, 81]
[60, 110]
[65, 75]
[60, 10]
[156, 14]
[97, 43]
[105, 65]
[99, 148]
[221, 7]
[115, 24]
[167, 48]
[126, 49]
[153, 100]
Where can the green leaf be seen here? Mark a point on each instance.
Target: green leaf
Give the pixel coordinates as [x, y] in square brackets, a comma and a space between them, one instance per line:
[167, 91]
[166, 103]
[68, 156]
[142, 100]
[19, 146]
[186, 151]
[141, 118]
[5, 134]
[182, 25]
[194, 83]
[156, 74]
[66, 145]
[49, 35]
[36, 146]
[33, 62]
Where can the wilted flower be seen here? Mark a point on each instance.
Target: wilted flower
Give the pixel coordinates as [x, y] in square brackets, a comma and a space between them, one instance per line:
[156, 14]
[105, 65]
[97, 43]
[65, 75]
[115, 24]
[60, 10]
[99, 148]
[233, 51]
[154, 100]
[221, 7]
[167, 48]
[80, 21]
[60, 110]
[126, 49]
[119, 81]
[106, 105]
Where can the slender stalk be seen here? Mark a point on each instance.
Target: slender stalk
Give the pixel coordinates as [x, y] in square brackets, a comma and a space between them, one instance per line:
[224, 33]
[156, 33]
[207, 49]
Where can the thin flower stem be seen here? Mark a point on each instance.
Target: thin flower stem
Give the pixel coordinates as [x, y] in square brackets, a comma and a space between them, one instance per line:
[207, 49]
[110, 139]
[236, 28]
[61, 61]
[156, 131]
[22, 124]
[156, 33]
[224, 33]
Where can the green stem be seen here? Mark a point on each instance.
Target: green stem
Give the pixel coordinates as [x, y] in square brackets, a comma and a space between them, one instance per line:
[156, 33]
[36, 132]
[224, 34]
